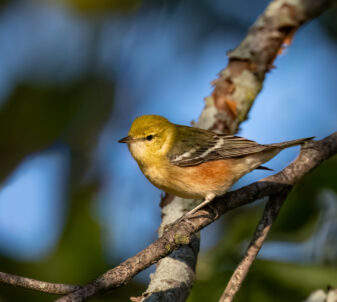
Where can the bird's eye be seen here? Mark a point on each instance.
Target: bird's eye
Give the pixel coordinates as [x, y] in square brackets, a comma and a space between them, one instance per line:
[149, 137]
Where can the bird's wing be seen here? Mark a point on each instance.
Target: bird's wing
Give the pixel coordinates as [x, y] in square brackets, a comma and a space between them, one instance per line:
[194, 146]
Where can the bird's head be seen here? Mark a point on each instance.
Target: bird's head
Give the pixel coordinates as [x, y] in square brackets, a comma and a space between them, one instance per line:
[149, 135]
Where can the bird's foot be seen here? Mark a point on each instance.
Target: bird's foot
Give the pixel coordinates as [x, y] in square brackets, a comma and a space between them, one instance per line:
[215, 211]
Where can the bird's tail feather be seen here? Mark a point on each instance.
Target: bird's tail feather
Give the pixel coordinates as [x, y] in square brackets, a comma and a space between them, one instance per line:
[291, 143]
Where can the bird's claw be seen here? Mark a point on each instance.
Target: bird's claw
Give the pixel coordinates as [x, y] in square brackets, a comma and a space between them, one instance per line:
[215, 211]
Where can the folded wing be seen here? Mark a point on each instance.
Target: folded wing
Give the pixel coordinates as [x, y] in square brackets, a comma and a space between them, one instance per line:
[195, 146]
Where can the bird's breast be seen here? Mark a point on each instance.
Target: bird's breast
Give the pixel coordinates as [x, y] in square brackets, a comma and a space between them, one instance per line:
[190, 182]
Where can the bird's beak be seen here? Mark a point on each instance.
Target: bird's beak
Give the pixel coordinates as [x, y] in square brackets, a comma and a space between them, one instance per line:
[126, 140]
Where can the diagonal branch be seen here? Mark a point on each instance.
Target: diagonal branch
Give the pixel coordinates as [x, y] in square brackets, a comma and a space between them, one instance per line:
[269, 215]
[179, 234]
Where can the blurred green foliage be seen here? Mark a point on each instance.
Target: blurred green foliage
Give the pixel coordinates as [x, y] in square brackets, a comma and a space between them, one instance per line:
[35, 117]
[301, 208]
[268, 281]
[41, 115]
[32, 119]
[104, 6]
[329, 20]
[2, 3]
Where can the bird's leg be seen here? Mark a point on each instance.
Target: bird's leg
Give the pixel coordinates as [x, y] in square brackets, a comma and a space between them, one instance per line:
[206, 201]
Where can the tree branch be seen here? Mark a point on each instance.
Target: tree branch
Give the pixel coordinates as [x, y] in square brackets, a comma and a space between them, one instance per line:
[240, 82]
[269, 215]
[233, 95]
[41, 286]
[178, 234]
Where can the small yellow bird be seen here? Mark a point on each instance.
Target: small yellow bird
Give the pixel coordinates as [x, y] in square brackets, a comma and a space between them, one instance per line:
[194, 163]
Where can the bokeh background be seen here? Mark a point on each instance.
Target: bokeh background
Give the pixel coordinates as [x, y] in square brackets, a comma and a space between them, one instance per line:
[73, 203]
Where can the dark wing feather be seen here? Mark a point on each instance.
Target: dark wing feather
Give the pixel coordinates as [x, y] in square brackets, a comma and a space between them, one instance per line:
[194, 146]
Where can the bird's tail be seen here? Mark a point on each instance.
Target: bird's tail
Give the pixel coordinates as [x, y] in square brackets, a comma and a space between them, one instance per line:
[291, 143]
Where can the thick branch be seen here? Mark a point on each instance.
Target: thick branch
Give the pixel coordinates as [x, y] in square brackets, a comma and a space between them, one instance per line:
[178, 234]
[238, 85]
[41, 286]
[234, 93]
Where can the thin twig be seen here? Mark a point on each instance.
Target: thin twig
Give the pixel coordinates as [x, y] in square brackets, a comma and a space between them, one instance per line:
[269, 215]
[41, 286]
